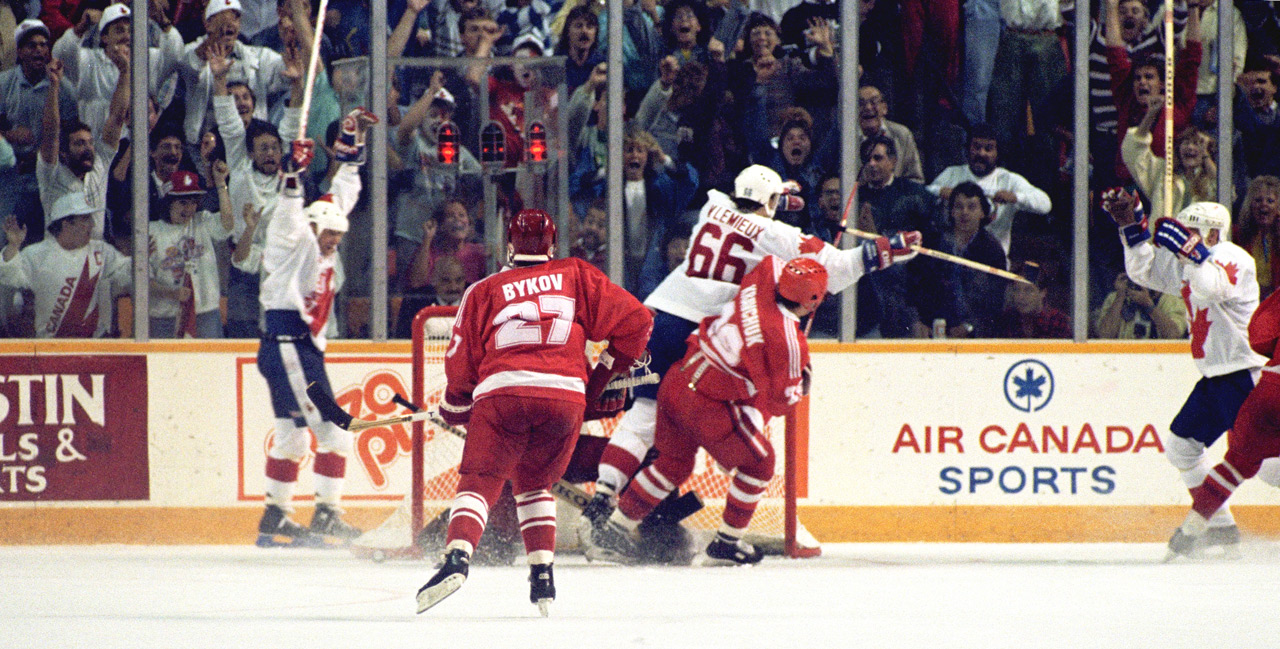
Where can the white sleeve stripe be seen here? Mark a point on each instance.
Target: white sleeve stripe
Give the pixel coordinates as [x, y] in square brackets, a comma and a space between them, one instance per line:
[793, 351]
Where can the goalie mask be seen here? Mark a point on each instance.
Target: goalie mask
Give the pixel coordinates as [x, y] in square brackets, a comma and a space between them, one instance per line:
[326, 216]
[804, 281]
[1205, 216]
[531, 236]
[760, 184]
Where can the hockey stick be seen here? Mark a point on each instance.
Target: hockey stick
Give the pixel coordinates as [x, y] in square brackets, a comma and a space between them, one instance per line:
[955, 259]
[312, 66]
[333, 412]
[1168, 112]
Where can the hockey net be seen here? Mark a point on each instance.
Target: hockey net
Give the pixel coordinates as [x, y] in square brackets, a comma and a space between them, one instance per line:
[775, 527]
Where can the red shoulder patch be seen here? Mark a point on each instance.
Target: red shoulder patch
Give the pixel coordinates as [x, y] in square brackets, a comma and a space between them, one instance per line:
[810, 246]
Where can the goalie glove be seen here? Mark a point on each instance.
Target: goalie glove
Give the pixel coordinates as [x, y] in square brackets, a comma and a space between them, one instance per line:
[883, 252]
[350, 146]
[1184, 243]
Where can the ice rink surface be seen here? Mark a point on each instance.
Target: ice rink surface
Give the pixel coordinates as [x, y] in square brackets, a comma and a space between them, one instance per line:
[856, 595]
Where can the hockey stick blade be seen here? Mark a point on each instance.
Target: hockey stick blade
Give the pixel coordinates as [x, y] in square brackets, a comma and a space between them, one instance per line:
[624, 382]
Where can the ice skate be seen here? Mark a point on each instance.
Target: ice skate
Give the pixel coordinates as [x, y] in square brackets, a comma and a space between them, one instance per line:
[1227, 538]
[542, 587]
[728, 551]
[327, 521]
[612, 543]
[276, 525]
[1188, 537]
[599, 509]
[447, 580]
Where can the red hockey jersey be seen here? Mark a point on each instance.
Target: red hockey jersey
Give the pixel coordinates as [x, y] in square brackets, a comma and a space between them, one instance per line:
[756, 351]
[524, 331]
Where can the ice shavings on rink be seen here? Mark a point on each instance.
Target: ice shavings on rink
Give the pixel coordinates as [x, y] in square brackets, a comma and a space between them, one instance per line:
[856, 595]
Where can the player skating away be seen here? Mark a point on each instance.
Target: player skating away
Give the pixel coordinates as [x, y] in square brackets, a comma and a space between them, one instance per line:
[1218, 284]
[1253, 441]
[518, 375]
[299, 256]
[743, 367]
[732, 235]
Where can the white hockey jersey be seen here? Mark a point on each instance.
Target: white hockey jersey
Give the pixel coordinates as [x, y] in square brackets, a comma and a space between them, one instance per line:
[726, 245]
[1220, 295]
[72, 287]
[178, 251]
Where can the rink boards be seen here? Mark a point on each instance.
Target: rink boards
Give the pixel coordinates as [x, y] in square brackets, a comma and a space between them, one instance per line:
[972, 441]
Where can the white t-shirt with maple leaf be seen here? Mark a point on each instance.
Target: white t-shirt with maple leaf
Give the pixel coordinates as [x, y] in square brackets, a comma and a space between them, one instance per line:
[1220, 296]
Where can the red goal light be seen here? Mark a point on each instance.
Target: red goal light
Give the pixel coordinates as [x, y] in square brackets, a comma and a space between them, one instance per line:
[447, 143]
[537, 142]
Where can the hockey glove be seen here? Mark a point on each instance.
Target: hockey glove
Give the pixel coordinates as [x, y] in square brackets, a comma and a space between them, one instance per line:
[301, 152]
[610, 404]
[350, 145]
[454, 414]
[1184, 243]
[790, 200]
[883, 252]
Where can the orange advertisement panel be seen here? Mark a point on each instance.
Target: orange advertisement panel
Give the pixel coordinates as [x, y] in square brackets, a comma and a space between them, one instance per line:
[73, 428]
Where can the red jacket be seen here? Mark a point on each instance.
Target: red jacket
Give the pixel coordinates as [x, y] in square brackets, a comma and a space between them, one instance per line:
[524, 331]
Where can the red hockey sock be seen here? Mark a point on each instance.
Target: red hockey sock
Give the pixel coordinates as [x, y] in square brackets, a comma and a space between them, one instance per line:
[1215, 490]
[537, 513]
[331, 465]
[470, 511]
[645, 492]
[740, 503]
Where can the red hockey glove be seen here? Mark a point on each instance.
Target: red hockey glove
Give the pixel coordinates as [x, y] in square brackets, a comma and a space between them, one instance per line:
[301, 152]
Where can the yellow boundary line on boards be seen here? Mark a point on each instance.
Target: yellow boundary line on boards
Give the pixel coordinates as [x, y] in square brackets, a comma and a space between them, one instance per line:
[41, 525]
[85, 346]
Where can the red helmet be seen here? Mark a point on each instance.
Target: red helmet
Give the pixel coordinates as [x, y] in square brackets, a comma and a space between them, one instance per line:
[803, 280]
[532, 236]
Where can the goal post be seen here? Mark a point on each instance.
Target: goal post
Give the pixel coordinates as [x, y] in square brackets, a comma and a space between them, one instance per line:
[436, 453]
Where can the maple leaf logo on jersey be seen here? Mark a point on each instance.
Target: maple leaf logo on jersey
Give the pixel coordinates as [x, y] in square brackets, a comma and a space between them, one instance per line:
[80, 320]
[1232, 270]
[1199, 322]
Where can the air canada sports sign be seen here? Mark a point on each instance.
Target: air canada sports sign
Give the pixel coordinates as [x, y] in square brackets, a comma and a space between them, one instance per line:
[73, 428]
[998, 429]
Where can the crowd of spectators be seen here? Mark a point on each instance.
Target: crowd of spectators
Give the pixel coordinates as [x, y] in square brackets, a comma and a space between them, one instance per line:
[963, 121]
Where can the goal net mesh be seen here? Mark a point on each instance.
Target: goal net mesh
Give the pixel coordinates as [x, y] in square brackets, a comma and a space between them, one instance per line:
[437, 452]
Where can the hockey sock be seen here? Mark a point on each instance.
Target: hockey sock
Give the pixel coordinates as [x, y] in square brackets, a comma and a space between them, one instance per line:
[628, 446]
[282, 477]
[740, 503]
[536, 511]
[470, 511]
[1210, 497]
[330, 470]
[648, 489]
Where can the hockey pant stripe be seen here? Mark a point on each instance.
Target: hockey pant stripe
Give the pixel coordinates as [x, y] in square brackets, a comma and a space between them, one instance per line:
[298, 384]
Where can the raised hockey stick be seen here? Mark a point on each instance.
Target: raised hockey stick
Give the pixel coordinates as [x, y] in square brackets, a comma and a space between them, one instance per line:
[955, 259]
[312, 69]
[1168, 112]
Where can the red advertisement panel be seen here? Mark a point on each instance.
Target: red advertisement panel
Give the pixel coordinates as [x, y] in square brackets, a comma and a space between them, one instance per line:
[73, 428]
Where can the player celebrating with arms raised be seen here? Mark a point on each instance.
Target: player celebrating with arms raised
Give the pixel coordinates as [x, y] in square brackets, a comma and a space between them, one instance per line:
[732, 236]
[517, 373]
[743, 367]
[299, 257]
[1218, 283]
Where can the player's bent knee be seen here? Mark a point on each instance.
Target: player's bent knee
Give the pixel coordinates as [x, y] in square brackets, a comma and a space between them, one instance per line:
[1183, 453]
[1269, 472]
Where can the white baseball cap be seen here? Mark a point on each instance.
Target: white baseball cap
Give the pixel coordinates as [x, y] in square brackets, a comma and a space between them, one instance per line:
[111, 14]
[70, 204]
[218, 6]
[28, 26]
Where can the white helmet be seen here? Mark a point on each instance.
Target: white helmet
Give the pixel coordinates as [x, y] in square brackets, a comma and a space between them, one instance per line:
[758, 183]
[326, 216]
[1205, 216]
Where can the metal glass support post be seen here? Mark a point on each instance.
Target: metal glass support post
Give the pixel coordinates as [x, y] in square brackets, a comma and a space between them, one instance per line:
[141, 166]
[850, 22]
[614, 135]
[378, 170]
[1082, 209]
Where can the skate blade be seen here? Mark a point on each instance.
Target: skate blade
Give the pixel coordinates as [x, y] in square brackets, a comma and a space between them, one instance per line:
[544, 607]
[273, 541]
[428, 597]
